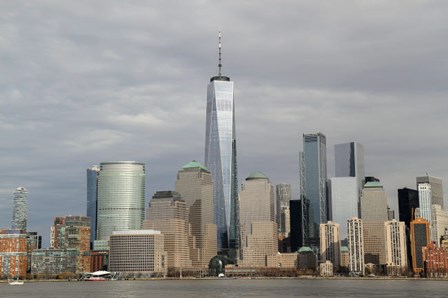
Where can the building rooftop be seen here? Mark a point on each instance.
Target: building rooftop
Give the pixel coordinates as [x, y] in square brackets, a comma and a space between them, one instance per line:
[373, 184]
[344, 249]
[256, 175]
[194, 165]
[305, 250]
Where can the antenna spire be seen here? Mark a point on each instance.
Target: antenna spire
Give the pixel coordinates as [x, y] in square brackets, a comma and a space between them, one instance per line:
[219, 53]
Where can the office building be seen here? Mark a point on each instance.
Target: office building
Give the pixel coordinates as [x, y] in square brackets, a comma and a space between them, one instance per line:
[349, 161]
[345, 257]
[138, 251]
[425, 201]
[420, 237]
[313, 186]
[396, 248]
[54, 261]
[195, 185]
[407, 203]
[436, 188]
[330, 243]
[92, 200]
[439, 223]
[168, 214]
[33, 241]
[256, 200]
[307, 259]
[121, 197]
[220, 156]
[345, 199]
[72, 233]
[373, 211]
[356, 246]
[20, 209]
[436, 260]
[13, 253]
[283, 196]
[296, 221]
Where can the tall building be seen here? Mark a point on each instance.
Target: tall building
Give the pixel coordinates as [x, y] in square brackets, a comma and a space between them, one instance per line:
[344, 196]
[220, 156]
[168, 214]
[72, 233]
[420, 237]
[20, 209]
[407, 203]
[139, 251]
[195, 185]
[349, 161]
[92, 199]
[296, 233]
[396, 248]
[13, 253]
[439, 223]
[258, 229]
[425, 201]
[356, 246]
[373, 210]
[283, 196]
[330, 243]
[436, 188]
[313, 188]
[121, 197]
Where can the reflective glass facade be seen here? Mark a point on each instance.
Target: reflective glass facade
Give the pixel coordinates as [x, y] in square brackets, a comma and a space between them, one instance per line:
[92, 199]
[344, 201]
[349, 161]
[313, 180]
[20, 209]
[121, 197]
[220, 158]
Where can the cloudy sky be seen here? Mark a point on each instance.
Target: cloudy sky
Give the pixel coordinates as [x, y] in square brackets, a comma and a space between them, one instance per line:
[83, 82]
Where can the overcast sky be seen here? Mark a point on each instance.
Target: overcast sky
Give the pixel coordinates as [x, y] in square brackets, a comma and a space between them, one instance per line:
[83, 82]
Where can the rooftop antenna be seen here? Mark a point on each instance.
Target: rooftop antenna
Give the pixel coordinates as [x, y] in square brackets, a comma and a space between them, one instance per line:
[219, 51]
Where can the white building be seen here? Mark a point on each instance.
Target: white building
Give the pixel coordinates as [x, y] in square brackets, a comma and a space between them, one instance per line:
[396, 251]
[356, 246]
[330, 244]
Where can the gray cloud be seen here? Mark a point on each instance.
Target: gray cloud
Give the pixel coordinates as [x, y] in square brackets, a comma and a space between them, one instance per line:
[90, 81]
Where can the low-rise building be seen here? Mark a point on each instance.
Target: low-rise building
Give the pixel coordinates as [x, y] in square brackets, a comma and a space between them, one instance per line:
[54, 261]
[13, 253]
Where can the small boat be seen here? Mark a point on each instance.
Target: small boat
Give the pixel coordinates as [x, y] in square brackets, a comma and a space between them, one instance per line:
[15, 282]
[95, 278]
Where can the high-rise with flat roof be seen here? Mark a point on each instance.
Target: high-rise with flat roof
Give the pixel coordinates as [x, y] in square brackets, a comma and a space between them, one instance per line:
[195, 185]
[349, 161]
[313, 186]
[283, 196]
[436, 188]
[121, 197]
[407, 203]
[220, 157]
[396, 248]
[344, 196]
[20, 209]
[420, 237]
[356, 246]
[330, 243]
[92, 199]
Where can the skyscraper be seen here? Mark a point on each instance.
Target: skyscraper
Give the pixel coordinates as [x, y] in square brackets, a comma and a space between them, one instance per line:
[20, 209]
[92, 199]
[220, 156]
[349, 161]
[121, 197]
[296, 222]
[313, 184]
[420, 238]
[407, 203]
[330, 243]
[356, 246]
[436, 188]
[425, 201]
[396, 248]
[283, 196]
[195, 185]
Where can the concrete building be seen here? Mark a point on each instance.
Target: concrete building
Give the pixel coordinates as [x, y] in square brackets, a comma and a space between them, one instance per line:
[356, 246]
[345, 202]
[330, 244]
[72, 233]
[313, 186]
[283, 260]
[258, 229]
[326, 269]
[436, 188]
[54, 261]
[138, 251]
[283, 197]
[420, 237]
[373, 210]
[121, 197]
[168, 214]
[92, 200]
[439, 223]
[195, 185]
[345, 257]
[435, 260]
[425, 201]
[307, 259]
[20, 209]
[396, 248]
[13, 253]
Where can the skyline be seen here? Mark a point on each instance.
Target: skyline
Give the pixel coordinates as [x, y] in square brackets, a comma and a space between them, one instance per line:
[84, 87]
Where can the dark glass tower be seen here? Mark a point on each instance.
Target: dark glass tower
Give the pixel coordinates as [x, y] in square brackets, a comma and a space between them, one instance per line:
[220, 158]
[92, 200]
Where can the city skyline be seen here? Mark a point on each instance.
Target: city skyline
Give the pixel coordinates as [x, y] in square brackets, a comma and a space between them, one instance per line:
[96, 87]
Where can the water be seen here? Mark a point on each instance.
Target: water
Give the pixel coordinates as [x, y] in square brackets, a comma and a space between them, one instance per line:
[230, 288]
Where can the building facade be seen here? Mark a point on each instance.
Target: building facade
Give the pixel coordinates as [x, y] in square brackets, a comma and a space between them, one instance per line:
[283, 196]
[396, 248]
[54, 261]
[138, 251]
[92, 200]
[13, 253]
[420, 237]
[356, 246]
[168, 214]
[20, 209]
[121, 197]
[221, 158]
[349, 161]
[425, 201]
[313, 186]
[330, 243]
[195, 185]
[439, 223]
[436, 188]
[296, 222]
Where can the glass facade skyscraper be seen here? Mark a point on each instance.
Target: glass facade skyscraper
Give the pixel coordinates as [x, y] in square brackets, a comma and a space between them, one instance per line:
[349, 161]
[121, 197]
[313, 186]
[92, 199]
[220, 157]
[20, 209]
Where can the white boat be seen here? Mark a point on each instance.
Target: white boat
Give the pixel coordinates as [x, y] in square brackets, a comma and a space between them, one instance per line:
[15, 282]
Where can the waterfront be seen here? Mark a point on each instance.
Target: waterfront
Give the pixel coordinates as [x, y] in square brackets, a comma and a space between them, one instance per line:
[231, 288]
